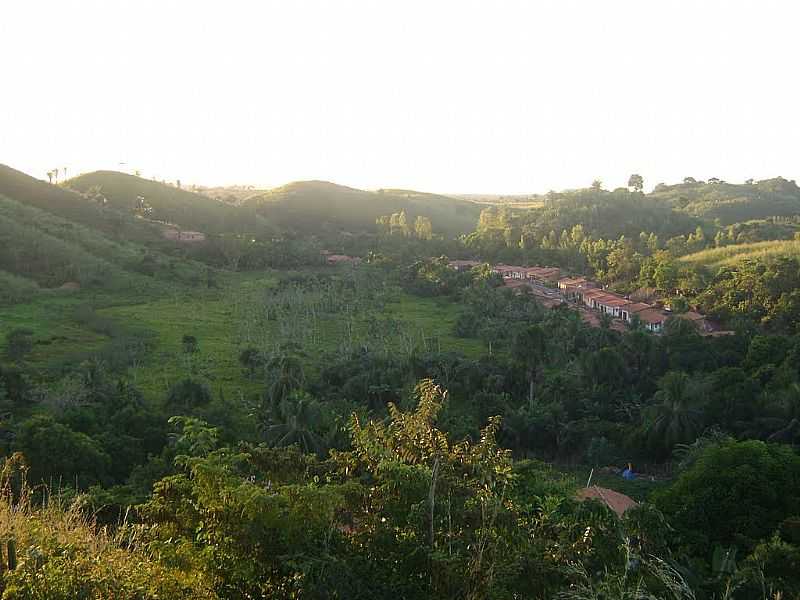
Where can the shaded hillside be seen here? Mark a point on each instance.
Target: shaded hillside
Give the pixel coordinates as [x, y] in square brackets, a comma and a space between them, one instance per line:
[43, 249]
[74, 207]
[169, 204]
[319, 205]
[731, 203]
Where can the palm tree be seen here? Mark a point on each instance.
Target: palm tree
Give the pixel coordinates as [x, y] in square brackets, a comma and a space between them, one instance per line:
[297, 420]
[50, 176]
[672, 418]
[285, 376]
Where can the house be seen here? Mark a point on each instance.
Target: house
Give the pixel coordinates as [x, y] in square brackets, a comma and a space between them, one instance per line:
[342, 259]
[183, 236]
[572, 287]
[653, 319]
[699, 321]
[634, 308]
[616, 501]
[463, 265]
[550, 274]
[508, 271]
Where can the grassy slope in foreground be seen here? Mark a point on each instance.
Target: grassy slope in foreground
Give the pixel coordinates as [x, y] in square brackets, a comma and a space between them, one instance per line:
[728, 256]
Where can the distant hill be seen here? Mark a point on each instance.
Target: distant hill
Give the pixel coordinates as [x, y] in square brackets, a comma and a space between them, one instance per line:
[320, 205]
[606, 214]
[732, 203]
[72, 206]
[170, 204]
[53, 237]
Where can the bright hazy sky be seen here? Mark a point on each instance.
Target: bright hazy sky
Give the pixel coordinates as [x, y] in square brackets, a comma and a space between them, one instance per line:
[497, 96]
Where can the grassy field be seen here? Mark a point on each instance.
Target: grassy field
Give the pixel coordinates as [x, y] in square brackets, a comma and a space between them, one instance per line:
[216, 318]
[727, 256]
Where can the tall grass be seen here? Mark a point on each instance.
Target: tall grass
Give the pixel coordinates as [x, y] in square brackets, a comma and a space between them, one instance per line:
[50, 548]
[728, 256]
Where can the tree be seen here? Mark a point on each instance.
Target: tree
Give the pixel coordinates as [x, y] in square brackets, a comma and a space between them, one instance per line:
[423, 228]
[636, 182]
[60, 456]
[251, 359]
[597, 185]
[735, 494]
[188, 394]
[672, 418]
[530, 348]
[19, 343]
[50, 177]
[298, 419]
[189, 344]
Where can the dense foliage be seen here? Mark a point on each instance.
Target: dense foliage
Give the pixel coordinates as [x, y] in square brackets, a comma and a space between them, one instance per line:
[219, 429]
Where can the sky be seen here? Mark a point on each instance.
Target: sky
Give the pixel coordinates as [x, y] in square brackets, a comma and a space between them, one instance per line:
[494, 96]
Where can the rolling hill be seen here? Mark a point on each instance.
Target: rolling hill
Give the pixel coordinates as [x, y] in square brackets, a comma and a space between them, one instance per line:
[74, 207]
[53, 237]
[170, 204]
[322, 206]
[732, 203]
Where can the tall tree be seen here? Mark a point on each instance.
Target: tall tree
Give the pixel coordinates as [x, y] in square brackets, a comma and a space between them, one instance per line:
[636, 182]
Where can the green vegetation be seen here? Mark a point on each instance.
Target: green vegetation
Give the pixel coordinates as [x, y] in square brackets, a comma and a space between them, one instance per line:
[729, 256]
[234, 418]
[320, 206]
[168, 204]
[732, 203]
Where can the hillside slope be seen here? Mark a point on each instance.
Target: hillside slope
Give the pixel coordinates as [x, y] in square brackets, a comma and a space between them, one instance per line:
[320, 205]
[43, 249]
[74, 207]
[729, 256]
[732, 203]
[170, 204]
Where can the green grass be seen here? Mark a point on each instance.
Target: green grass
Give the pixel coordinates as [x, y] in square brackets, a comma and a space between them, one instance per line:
[215, 318]
[728, 256]
[639, 489]
[436, 318]
[56, 334]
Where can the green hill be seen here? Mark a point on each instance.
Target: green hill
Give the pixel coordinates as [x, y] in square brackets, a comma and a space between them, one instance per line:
[75, 207]
[322, 206]
[732, 203]
[728, 256]
[169, 204]
[53, 237]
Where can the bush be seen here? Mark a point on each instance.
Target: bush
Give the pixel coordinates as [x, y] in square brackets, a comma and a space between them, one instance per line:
[737, 493]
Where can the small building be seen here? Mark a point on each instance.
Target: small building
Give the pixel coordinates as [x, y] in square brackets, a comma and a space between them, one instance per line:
[616, 501]
[653, 319]
[547, 274]
[342, 259]
[572, 287]
[702, 324]
[463, 265]
[509, 271]
[178, 235]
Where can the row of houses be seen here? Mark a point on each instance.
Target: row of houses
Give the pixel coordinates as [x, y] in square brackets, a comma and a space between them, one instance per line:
[588, 294]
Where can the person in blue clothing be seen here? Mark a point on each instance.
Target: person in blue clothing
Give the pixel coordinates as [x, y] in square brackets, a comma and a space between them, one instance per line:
[628, 473]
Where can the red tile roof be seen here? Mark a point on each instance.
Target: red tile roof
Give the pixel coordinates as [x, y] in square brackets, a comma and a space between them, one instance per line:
[617, 502]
